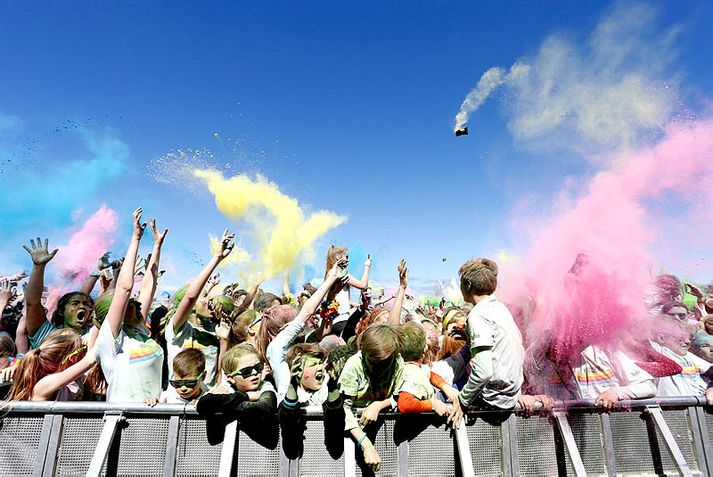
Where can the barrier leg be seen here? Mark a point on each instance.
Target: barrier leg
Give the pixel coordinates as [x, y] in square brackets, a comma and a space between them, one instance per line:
[174, 427]
[607, 444]
[701, 439]
[228, 450]
[569, 444]
[464, 457]
[106, 439]
[349, 458]
[676, 454]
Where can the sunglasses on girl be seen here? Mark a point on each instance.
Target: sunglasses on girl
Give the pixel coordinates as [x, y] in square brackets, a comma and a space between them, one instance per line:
[189, 383]
[248, 371]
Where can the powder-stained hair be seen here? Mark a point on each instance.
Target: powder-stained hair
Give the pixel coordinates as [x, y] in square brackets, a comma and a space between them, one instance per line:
[272, 322]
[379, 342]
[479, 277]
[413, 338]
[305, 349]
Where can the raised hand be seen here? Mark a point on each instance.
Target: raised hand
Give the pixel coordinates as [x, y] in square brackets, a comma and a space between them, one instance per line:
[40, 253]
[226, 245]
[367, 263]
[138, 225]
[336, 271]
[8, 292]
[403, 274]
[158, 237]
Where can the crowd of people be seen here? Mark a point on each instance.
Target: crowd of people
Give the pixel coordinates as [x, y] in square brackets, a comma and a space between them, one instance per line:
[242, 353]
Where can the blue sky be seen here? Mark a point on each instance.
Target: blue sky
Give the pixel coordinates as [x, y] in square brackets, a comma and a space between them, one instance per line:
[347, 106]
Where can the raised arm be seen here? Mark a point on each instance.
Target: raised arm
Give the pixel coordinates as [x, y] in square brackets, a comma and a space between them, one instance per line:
[310, 306]
[194, 290]
[364, 282]
[47, 386]
[150, 280]
[35, 313]
[395, 313]
[125, 281]
[250, 296]
[8, 292]
[286, 284]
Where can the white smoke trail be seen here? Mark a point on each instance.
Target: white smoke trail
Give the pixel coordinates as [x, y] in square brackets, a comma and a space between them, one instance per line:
[489, 82]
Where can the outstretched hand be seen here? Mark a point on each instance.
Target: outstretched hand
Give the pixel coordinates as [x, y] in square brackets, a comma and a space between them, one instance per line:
[226, 245]
[336, 271]
[40, 253]
[403, 274]
[138, 225]
[8, 291]
[158, 237]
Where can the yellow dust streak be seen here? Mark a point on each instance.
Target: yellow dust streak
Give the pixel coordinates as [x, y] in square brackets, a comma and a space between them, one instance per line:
[279, 224]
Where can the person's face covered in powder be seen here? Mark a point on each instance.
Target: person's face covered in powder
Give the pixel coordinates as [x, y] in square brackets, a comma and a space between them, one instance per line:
[313, 374]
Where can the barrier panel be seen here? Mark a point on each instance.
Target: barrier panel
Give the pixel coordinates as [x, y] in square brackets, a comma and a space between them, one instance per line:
[651, 437]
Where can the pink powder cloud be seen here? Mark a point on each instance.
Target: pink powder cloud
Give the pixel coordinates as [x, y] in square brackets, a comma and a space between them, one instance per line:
[79, 256]
[614, 225]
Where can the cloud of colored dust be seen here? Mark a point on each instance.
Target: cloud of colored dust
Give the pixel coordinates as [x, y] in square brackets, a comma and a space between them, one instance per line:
[284, 233]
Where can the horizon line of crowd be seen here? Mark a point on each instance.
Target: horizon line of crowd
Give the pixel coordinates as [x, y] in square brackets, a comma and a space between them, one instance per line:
[259, 358]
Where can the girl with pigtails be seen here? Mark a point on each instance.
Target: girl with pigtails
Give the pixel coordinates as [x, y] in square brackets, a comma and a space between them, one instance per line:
[54, 371]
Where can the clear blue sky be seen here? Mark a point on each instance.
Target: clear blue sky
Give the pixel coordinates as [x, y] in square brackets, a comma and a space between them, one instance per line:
[348, 106]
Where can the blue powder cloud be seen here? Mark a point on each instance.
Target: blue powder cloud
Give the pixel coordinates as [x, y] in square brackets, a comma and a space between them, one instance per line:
[42, 190]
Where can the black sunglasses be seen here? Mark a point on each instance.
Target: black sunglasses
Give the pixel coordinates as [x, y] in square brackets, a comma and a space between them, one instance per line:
[249, 370]
[189, 383]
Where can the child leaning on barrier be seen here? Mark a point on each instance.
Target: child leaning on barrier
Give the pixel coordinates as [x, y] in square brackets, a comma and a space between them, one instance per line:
[370, 380]
[246, 396]
[187, 383]
[496, 344]
[416, 393]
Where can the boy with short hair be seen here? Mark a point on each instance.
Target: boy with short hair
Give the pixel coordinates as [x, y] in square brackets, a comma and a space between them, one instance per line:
[495, 341]
[187, 381]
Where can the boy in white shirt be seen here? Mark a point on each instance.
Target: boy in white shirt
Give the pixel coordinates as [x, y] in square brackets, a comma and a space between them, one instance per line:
[495, 341]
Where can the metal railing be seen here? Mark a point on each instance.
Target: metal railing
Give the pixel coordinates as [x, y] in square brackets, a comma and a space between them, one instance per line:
[650, 437]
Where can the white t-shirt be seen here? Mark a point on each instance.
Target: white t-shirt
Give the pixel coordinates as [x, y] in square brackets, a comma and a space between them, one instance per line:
[597, 372]
[191, 336]
[491, 326]
[686, 383]
[132, 366]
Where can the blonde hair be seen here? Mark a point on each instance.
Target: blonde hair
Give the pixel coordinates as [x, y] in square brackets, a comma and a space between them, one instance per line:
[234, 354]
[333, 254]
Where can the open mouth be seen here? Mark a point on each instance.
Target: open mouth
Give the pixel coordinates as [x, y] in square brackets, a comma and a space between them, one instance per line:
[319, 376]
[81, 316]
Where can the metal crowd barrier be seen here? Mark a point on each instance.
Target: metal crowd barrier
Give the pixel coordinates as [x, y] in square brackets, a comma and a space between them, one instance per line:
[651, 437]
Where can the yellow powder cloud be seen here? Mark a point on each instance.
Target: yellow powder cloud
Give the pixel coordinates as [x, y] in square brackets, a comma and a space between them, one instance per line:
[285, 236]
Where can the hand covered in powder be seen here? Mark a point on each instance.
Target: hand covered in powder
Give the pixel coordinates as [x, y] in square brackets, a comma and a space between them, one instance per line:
[40, 253]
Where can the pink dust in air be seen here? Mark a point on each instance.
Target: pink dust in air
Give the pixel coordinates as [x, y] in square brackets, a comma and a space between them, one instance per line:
[585, 274]
[79, 256]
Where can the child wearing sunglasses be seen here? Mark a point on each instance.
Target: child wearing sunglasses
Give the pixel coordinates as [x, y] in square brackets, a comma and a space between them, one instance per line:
[187, 381]
[246, 396]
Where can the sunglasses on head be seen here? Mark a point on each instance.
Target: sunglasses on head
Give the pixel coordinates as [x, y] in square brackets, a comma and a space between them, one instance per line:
[248, 370]
[189, 383]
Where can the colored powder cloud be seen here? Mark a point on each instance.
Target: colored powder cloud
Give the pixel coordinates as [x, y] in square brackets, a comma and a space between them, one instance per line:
[285, 236]
[586, 271]
[609, 93]
[79, 256]
[41, 197]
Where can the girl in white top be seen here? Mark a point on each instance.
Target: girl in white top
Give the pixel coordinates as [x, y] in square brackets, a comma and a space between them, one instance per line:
[131, 361]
